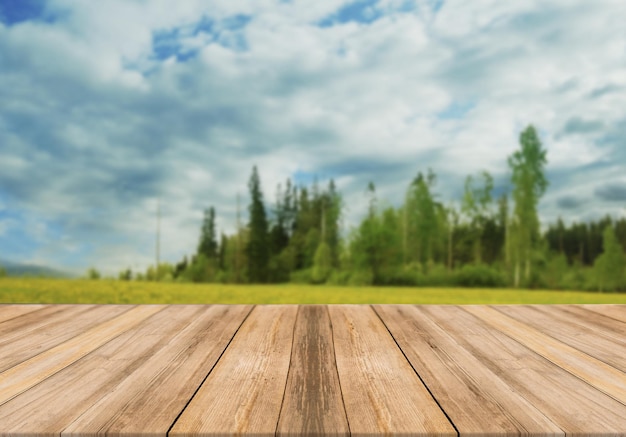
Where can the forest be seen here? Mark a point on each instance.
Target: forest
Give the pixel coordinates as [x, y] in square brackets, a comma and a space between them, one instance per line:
[483, 242]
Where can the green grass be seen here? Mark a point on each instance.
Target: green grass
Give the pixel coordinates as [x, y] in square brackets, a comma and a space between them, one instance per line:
[19, 290]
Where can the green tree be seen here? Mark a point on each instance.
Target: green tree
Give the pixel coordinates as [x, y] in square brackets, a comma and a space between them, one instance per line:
[375, 246]
[451, 222]
[180, 267]
[331, 216]
[93, 273]
[3, 272]
[258, 247]
[476, 205]
[322, 263]
[125, 275]
[609, 267]
[208, 242]
[420, 231]
[527, 165]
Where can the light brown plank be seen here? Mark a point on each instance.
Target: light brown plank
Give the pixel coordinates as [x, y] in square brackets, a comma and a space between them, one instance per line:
[598, 323]
[22, 346]
[243, 393]
[617, 312]
[148, 401]
[52, 405]
[475, 399]
[21, 327]
[595, 372]
[10, 311]
[576, 407]
[571, 330]
[381, 392]
[313, 405]
[30, 372]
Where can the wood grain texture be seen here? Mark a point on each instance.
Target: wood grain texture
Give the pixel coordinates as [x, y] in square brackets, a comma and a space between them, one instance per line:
[576, 407]
[312, 370]
[313, 404]
[8, 312]
[382, 394]
[591, 370]
[244, 392]
[475, 398]
[21, 327]
[150, 399]
[597, 323]
[617, 312]
[52, 405]
[36, 369]
[573, 331]
[57, 329]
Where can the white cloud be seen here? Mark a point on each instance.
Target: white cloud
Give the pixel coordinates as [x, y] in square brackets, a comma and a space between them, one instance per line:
[95, 126]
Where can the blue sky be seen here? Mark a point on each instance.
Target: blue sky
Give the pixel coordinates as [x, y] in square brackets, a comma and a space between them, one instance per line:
[107, 106]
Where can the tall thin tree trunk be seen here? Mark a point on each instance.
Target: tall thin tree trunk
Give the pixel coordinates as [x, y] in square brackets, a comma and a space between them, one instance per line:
[404, 242]
[516, 280]
[450, 249]
[507, 255]
[323, 224]
[238, 248]
[158, 240]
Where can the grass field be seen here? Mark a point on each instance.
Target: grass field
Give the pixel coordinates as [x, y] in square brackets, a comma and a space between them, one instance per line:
[19, 290]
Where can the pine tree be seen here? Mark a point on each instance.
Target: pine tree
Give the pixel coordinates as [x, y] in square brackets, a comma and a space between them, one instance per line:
[257, 248]
[208, 241]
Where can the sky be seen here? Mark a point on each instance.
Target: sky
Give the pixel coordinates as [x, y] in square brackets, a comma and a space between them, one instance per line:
[107, 106]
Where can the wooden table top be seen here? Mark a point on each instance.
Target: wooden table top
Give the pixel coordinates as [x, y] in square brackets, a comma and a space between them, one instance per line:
[312, 370]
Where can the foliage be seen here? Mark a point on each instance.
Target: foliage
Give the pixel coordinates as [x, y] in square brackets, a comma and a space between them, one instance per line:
[257, 247]
[556, 270]
[479, 275]
[322, 264]
[200, 270]
[421, 225]
[125, 275]
[476, 207]
[360, 278]
[93, 273]
[529, 185]
[303, 276]
[3, 272]
[420, 243]
[609, 267]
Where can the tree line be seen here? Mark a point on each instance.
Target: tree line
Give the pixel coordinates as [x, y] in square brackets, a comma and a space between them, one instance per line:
[483, 242]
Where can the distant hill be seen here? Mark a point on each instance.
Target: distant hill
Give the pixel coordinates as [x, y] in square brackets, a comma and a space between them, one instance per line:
[18, 269]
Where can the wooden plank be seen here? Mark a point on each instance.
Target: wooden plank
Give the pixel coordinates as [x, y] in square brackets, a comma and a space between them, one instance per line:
[381, 392]
[148, 401]
[591, 320]
[617, 312]
[34, 370]
[475, 398]
[10, 311]
[572, 331]
[575, 406]
[52, 405]
[21, 327]
[595, 372]
[22, 346]
[313, 404]
[243, 393]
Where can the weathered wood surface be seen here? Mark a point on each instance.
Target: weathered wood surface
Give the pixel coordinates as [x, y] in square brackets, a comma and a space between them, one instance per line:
[312, 370]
